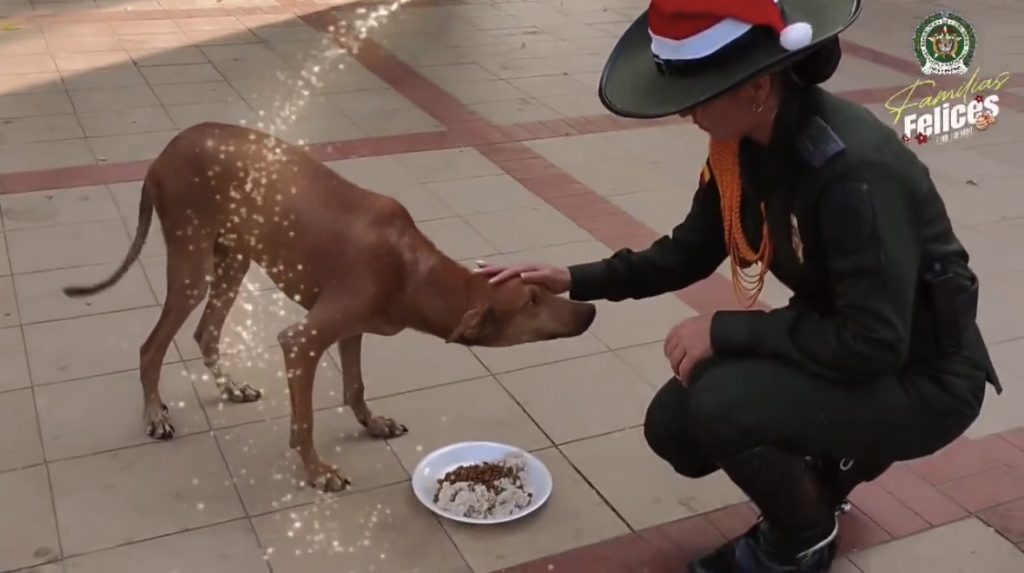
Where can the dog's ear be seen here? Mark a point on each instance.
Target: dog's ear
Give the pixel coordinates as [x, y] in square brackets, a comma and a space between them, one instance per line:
[473, 324]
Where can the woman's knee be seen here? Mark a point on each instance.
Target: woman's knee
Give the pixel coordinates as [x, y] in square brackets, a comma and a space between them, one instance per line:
[716, 413]
[667, 432]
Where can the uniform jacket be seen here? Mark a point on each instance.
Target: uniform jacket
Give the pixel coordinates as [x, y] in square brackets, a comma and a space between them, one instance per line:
[854, 217]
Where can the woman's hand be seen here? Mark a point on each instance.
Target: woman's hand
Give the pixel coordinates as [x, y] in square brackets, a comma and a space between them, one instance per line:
[555, 279]
[687, 344]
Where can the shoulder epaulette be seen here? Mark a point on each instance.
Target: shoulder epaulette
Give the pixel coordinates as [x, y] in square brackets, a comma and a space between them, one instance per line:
[817, 143]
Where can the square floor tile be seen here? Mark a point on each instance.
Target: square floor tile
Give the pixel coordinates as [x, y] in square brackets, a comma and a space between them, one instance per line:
[472, 410]
[206, 92]
[125, 121]
[412, 361]
[113, 99]
[1002, 412]
[13, 365]
[19, 438]
[518, 110]
[513, 230]
[582, 397]
[379, 174]
[574, 516]
[395, 122]
[48, 155]
[235, 112]
[269, 475]
[448, 165]
[142, 492]
[130, 147]
[632, 322]
[381, 530]
[39, 129]
[421, 203]
[8, 303]
[105, 413]
[40, 295]
[48, 248]
[58, 207]
[648, 360]
[28, 534]
[90, 345]
[967, 545]
[27, 105]
[181, 74]
[456, 239]
[119, 76]
[227, 548]
[484, 194]
[617, 463]
[536, 353]
[266, 373]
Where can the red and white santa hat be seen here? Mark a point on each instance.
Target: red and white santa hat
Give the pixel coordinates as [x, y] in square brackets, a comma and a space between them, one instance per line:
[695, 29]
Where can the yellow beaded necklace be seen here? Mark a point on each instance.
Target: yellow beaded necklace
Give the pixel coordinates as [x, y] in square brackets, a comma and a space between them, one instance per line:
[723, 158]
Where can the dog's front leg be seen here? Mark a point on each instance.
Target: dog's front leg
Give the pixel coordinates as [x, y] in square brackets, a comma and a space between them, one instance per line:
[350, 349]
[304, 344]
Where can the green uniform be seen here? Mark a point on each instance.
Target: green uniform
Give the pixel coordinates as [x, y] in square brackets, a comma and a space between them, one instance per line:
[853, 367]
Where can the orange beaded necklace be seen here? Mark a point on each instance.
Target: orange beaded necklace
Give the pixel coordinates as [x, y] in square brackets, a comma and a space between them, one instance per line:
[723, 157]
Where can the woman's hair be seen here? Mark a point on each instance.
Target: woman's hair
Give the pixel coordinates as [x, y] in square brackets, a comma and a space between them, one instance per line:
[817, 66]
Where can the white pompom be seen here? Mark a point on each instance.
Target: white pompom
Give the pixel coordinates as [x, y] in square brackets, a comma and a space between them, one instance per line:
[796, 36]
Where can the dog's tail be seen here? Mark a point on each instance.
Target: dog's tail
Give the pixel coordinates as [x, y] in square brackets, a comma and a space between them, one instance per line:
[141, 232]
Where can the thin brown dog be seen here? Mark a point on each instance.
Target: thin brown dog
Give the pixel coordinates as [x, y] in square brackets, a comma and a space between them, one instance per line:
[355, 260]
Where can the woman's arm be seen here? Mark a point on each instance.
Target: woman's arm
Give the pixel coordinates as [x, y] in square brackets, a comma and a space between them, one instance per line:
[873, 254]
[692, 252]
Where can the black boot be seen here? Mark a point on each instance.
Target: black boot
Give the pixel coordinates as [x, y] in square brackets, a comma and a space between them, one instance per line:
[841, 477]
[798, 531]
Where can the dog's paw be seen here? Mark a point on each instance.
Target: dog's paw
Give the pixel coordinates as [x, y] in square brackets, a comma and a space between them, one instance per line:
[159, 427]
[238, 393]
[381, 427]
[330, 481]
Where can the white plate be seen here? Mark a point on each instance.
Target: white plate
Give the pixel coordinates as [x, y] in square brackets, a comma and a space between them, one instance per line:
[436, 464]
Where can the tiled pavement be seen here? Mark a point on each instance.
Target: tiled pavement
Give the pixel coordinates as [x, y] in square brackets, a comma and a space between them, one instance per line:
[481, 117]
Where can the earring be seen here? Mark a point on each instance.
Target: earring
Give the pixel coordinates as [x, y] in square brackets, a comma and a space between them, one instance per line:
[758, 108]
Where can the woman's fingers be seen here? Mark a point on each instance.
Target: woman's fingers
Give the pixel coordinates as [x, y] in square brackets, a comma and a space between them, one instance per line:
[535, 276]
[507, 273]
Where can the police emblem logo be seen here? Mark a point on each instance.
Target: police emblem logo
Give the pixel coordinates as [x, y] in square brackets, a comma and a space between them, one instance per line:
[944, 44]
[798, 244]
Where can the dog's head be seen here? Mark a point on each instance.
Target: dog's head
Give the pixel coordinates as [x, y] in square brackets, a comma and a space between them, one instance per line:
[514, 312]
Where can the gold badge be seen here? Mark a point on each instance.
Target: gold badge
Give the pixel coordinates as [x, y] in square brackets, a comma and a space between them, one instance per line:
[798, 244]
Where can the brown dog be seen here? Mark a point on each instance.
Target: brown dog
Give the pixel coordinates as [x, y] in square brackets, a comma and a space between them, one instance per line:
[355, 260]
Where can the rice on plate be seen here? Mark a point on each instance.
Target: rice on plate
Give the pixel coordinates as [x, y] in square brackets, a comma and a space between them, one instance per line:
[485, 490]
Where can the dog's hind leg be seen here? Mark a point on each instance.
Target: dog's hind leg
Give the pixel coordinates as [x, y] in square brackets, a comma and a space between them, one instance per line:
[350, 350]
[186, 286]
[228, 274]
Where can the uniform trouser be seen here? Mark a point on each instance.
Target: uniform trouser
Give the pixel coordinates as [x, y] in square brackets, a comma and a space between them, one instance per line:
[735, 405]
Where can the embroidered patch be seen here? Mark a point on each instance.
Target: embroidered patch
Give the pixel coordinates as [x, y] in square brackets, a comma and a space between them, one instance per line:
[818, 143]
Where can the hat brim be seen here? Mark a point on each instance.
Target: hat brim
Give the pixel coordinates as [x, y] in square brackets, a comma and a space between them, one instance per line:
[631, 85]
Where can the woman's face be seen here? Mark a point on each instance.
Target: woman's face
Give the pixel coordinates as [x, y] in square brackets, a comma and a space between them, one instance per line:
[736, 113]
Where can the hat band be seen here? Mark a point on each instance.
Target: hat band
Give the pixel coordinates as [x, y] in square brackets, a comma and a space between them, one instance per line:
[700, 45]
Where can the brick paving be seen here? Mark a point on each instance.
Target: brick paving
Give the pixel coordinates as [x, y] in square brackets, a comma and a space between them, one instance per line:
[463, 111]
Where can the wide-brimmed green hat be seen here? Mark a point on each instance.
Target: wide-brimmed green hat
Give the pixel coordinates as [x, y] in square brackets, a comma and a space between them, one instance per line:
[680, 53]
